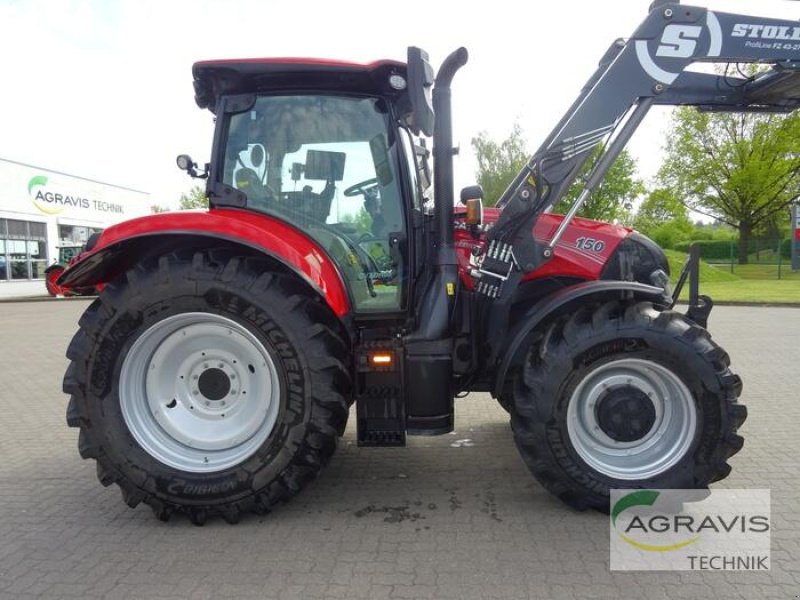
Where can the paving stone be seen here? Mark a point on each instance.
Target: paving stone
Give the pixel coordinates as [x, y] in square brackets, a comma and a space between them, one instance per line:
[479, 525]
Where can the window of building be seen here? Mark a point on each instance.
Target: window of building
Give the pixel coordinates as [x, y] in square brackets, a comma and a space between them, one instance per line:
[23, 250]
[75, 235]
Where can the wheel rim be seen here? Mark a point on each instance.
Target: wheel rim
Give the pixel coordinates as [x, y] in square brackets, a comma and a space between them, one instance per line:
[631, 419]
[199, 392]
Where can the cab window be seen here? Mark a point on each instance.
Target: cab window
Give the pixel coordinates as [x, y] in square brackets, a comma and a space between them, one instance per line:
[327, 165]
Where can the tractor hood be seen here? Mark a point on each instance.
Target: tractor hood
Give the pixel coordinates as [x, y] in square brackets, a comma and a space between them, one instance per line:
[583, 252]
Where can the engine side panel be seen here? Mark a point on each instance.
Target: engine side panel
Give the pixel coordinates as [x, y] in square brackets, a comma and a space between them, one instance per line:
[582, 253]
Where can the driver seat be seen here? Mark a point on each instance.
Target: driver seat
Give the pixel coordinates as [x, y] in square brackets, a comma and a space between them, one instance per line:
[246, 180]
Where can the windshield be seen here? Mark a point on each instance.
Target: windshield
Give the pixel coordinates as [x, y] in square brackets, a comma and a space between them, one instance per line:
[326, 165]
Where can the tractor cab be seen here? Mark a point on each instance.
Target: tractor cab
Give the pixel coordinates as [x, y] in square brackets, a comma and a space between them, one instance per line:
[329, 149]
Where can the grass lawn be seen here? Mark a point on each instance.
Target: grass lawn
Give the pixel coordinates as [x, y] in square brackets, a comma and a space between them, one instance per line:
[749, 283]
[752, 290]
[761, 271]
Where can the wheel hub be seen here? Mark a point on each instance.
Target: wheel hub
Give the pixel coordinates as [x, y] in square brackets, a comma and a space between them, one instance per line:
[625, 414]
[631, 419]
[214, 384]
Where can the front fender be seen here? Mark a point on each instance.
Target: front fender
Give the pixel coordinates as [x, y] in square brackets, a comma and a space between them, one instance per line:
[122, 246]
[55, 266]
[559, 301]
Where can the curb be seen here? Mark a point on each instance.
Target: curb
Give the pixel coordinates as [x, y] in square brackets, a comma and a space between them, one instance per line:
[683, 304]
[45, 299]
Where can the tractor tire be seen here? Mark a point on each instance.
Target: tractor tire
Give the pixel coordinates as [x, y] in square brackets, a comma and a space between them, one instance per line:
[204, 384]
[506, 402]
[626, 396]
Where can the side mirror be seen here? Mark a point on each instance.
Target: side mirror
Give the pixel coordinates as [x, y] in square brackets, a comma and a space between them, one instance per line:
[472, 197]
[420, 88]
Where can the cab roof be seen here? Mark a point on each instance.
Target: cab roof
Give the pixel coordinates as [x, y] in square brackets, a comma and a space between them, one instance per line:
[240, 76]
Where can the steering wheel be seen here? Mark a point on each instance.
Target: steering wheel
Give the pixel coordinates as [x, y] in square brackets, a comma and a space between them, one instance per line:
[363, 187]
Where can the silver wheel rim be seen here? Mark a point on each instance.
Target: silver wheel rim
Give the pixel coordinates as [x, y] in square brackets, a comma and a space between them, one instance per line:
[665, 443]
[174, 399]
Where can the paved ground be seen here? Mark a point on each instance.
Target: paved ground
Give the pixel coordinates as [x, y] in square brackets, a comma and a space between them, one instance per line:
[435, 520]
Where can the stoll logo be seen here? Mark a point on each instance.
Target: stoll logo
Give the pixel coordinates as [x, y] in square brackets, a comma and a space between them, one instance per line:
[690, 530]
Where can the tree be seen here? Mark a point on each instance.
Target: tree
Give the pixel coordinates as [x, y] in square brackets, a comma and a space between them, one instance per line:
[155, 209]
[361, 219]
[499, 163]
[196, 198]
[664, 218]
[740, 168]
[613, 198]
[661, 206]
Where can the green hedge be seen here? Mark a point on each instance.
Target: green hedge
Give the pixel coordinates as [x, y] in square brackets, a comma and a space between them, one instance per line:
[710, 249]
[720, 250]
[786, 249]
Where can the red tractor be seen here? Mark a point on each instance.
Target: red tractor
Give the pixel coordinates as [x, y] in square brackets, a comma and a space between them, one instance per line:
[66, 255]
[215, 372]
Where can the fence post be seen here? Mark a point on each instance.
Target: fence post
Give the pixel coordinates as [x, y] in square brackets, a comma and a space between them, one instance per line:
[733, 244]
[780, 258]
[795, 233]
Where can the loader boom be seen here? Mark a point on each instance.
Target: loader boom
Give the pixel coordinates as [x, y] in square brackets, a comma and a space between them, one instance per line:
[646, 69]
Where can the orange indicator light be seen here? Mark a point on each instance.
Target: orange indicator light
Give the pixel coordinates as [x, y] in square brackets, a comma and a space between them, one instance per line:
[381, 358]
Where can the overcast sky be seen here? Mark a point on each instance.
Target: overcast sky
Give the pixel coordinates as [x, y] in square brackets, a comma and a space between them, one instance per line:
[103, 88]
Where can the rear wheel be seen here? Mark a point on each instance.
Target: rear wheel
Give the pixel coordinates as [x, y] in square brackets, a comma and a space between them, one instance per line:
[206, 384]
[626, 396]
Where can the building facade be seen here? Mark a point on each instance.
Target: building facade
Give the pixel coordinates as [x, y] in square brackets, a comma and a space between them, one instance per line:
[42, 211]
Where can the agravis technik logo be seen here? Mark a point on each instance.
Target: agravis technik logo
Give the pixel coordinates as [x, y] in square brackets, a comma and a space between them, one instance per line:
[690, 530]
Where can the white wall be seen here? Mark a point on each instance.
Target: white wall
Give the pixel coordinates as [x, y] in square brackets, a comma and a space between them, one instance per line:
[21, 289]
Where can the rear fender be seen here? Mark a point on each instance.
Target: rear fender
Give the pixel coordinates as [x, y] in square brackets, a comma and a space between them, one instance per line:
[122, 246]
[564, 300]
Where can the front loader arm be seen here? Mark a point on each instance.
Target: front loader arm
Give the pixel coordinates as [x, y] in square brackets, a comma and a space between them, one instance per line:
[646, 69]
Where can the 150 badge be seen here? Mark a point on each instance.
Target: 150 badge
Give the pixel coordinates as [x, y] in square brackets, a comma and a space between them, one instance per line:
[591, 244]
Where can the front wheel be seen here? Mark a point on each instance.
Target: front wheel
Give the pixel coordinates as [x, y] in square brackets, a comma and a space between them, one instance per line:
[205, 384]
[626, 396]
